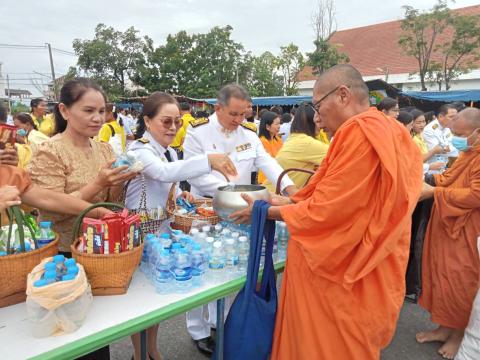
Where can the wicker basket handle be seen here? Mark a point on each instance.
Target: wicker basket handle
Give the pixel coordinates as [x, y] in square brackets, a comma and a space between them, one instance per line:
[79, 219]
[284, 172]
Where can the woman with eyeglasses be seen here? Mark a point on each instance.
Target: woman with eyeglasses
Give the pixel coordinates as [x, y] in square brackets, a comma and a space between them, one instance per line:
[157, 128]
[389, 107]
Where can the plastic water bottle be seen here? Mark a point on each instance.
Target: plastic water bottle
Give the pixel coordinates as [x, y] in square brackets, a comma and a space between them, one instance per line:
[50, 266]
[182, 271]
[217, 230]
[199, 263]
[50, 276]
[59, 266]
[282, 236]
[202, 238]
[225, 233]
[243, 253]
[149, 238]
[163, 274]
[152, 260]
[216, 262]
[194, 233]
[235, 235]
[166, 241]
[175, 248]
[176, 235]
[209, 246]
[73, 270]
[45, 234]
[68, 277]
[206, 229]
[231, 256]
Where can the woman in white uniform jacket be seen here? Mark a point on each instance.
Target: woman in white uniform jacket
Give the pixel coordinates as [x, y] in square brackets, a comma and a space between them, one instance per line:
[158, 125]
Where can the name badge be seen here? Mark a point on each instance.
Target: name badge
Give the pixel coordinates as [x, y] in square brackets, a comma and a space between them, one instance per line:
[244, 147]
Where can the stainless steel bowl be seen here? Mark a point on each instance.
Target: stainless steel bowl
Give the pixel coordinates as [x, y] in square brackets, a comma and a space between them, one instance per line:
[228, 198]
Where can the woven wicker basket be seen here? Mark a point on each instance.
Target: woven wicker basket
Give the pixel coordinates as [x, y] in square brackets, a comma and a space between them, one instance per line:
[14, 270]
[184, 222]
[108, 274]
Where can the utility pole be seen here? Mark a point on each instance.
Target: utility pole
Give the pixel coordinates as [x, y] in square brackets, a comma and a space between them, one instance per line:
[8, 94]
[53, 71]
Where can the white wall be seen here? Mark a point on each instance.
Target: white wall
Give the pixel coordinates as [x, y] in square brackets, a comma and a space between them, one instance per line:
[470, 81]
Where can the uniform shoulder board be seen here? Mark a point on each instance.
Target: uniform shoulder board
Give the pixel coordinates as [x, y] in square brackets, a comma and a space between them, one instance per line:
[435, 126]
[144, 140]
[199, 122]
[249, 126]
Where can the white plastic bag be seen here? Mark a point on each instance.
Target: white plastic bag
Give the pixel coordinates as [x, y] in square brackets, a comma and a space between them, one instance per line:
[470, 347]
[60, 307]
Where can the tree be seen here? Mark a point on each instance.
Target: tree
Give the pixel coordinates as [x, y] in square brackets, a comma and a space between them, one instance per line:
[264, 79]
[196, 65]
[458, 55]
[420, 33]
[324, 25]
[111, 57]
[290, 62]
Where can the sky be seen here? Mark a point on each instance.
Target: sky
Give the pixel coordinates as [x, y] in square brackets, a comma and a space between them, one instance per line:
[260, 25]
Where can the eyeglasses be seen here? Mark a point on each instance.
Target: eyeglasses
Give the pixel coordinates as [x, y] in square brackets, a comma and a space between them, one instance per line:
[316, 106]
[168, 121]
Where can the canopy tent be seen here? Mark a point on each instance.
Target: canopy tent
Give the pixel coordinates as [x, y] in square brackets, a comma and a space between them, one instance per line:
[445, 96]
[270, 100]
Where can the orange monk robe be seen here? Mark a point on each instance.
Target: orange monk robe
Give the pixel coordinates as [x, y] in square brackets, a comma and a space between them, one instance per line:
[450, 274]
[344, 280]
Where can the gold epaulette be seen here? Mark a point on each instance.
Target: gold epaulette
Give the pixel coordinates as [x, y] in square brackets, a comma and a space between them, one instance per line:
[144, 140]
[198, 122]
[249, 126]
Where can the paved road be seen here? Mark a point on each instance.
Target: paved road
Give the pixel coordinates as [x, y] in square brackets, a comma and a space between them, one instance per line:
[175, 343]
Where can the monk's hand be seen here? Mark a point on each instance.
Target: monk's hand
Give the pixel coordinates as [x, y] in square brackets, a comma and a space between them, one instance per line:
[243, 216]
[278, 200]
[427, 192]
[290, 190]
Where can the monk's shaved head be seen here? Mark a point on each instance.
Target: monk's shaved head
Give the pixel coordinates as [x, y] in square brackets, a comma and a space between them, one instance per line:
[343, 74]
[471, 116]
[339, 94]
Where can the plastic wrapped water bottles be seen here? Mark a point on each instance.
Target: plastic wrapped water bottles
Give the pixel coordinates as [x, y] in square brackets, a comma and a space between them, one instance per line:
[148, 241]
[156, 247]
[163, 274]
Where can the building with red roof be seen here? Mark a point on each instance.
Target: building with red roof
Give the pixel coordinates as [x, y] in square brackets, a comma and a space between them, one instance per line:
[374, 50]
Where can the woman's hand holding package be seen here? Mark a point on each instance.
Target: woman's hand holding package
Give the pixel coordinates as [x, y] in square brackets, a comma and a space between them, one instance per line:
[109, 177]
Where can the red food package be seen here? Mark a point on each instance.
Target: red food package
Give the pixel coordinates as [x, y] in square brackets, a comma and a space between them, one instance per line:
[93, 235]
[115, 235]
[8, 134]
[132, 231]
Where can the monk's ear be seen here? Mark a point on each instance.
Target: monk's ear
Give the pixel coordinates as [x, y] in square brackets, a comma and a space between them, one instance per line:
[345, 94]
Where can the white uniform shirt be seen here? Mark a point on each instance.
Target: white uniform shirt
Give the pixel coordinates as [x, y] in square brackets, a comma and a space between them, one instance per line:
[435, 134]
[160, 174]
[243, 147]
[285, 130]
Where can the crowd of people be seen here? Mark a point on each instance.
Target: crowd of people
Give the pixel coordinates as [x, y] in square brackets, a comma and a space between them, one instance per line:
[350, 223]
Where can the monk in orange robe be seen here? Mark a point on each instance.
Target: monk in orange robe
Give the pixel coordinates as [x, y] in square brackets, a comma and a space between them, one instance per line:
[451, 266]
[343, 285]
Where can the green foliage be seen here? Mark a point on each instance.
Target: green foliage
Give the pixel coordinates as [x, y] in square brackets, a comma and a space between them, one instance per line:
[290, 62]
[17, 107]
[325, 56]
[457, 53]
[264, 79]
[111, 57]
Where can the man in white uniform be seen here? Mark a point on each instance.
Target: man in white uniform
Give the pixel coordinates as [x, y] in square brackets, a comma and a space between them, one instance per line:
[226, 132]
[437, 132]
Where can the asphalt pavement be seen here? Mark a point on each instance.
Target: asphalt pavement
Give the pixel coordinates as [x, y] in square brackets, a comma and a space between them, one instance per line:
[175, 343]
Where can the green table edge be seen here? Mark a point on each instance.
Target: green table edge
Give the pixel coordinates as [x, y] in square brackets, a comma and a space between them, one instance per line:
[107, 336]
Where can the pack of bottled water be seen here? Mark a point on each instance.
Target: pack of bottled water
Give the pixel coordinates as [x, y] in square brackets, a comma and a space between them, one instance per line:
[176, 262]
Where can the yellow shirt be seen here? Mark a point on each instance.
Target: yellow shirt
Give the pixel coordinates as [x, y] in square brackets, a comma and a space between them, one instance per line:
[182, 132]
[299, 151]
[420, 142]
[105, 133]
[24, 153]
[46, 126]
[322, 136]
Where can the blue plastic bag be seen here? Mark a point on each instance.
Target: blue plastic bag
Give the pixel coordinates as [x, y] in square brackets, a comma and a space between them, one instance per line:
[251, 320]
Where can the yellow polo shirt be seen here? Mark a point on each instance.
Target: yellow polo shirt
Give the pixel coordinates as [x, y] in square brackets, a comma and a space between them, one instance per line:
[182, 132]
[46, 125]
